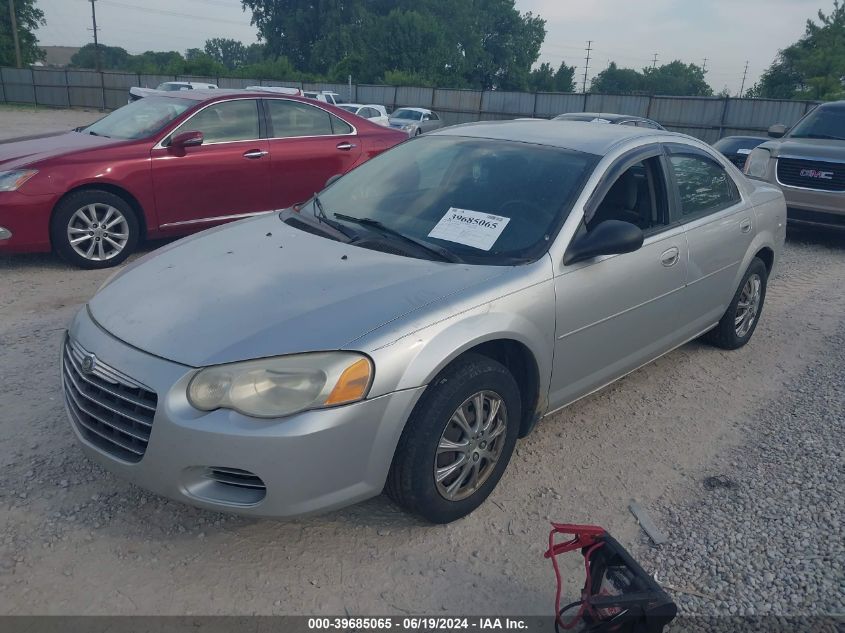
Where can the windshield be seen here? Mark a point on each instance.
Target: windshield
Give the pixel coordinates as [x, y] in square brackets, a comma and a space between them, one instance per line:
[826, 122]
[484, 201]
[170, 86]
[141, 118]
[410, 115]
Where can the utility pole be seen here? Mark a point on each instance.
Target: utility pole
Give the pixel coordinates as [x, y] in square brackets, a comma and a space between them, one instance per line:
[587, 65]
[96, 42]
[14, 24]
[704, 66]
[744, 75]
[654, 62]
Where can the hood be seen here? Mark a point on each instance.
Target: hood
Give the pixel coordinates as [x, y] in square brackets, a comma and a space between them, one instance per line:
[261, 288]
[809, 148]
[23, 152]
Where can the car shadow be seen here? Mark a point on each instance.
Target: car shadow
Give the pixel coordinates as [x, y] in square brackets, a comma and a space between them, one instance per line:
[51, 261]
[830, 238]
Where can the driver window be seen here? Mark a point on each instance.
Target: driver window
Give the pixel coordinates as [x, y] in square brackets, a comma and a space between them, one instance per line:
[228, 121]
[638, 196]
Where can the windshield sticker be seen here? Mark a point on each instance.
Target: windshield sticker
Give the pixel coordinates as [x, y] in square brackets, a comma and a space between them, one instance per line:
[743, 151]
[473, 228]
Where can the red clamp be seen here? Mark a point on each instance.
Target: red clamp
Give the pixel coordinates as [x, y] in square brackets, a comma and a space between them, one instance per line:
[583, 536]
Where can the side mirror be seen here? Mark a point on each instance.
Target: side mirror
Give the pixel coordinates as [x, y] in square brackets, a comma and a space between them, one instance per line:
[777, 131]
[332, 180]
[611, 237]
[186, 139]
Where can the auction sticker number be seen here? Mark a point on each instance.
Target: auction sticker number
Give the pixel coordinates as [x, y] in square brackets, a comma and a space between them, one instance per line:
[473, 228]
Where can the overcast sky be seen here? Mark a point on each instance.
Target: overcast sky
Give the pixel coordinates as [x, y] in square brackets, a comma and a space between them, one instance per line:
[727, 32]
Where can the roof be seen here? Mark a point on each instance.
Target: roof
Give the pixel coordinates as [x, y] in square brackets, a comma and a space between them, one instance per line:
[593, 139]
[202, 94]
[423, 110]
[588, 116]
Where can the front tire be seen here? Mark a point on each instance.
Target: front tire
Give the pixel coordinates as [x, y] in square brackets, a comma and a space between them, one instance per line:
[94, 229]
[740, 319]
[450, 458]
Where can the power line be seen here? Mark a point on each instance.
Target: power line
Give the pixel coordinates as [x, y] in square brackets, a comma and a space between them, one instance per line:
[114, 3]
[587, 65]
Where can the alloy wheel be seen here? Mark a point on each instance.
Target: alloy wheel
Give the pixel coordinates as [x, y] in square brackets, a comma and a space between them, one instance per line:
[748, 305]
[470, 445]
[98, 232]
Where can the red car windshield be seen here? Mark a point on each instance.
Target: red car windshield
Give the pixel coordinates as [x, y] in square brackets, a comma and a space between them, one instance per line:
[141, 118]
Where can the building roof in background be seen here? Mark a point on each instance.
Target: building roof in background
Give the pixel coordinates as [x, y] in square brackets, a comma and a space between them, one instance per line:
[58, 55]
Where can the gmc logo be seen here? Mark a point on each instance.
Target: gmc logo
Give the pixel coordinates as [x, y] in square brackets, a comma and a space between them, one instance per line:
[815, 173]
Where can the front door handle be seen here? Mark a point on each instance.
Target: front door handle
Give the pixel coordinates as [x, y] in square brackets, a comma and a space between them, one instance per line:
[345, 146]
[256, 153]
[670, 257]
[745, 225]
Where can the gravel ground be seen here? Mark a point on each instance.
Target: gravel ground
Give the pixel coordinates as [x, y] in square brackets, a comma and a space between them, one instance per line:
[77, 540]
[16, 121]
[764, 533]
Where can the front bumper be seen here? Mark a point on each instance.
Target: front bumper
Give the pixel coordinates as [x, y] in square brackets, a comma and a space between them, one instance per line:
[810, 207]
[27, 220]
[309, 462]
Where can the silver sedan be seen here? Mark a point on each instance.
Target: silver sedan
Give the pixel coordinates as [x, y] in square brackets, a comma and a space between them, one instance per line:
[403, 329]
[415, 121]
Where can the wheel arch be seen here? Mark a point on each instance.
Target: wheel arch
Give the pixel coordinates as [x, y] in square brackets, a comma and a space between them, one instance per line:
[117, 190]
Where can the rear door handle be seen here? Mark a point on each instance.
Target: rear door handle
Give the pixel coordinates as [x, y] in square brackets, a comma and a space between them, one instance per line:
[670, 257]
[346, 146]
[745, 225]
[256, 153]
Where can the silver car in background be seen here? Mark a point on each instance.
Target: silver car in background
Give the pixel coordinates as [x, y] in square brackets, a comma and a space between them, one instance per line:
[415, 121]
[415, 319]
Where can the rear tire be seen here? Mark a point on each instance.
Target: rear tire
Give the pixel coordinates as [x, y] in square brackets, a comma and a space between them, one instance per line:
[441, 485]
[94, 229]
[740, 319]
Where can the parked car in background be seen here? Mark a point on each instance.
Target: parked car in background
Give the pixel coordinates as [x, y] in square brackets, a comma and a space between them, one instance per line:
[737, 148]
[170, 165]
[168, 86]
[614, 119]
[374, 113]
[415, 121]
[407, 326]
[808, 163]
[326, 96]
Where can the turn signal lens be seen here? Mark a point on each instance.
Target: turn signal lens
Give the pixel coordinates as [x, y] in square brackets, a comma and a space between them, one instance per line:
[352, 384]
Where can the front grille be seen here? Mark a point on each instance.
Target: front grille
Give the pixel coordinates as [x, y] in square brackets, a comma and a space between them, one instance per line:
[110, 410]
[811, 174]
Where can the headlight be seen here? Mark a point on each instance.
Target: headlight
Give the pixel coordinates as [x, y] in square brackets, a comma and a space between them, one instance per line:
[757, 163]
[275, 387]
[12, 180]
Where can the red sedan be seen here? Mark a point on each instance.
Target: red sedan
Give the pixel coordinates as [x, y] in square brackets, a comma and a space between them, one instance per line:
[171, 165]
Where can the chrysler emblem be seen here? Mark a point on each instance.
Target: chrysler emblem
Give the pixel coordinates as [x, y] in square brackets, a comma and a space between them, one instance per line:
[88, 363]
